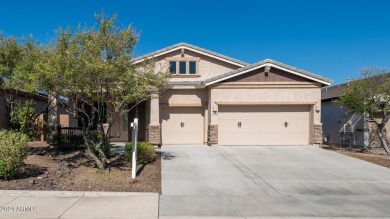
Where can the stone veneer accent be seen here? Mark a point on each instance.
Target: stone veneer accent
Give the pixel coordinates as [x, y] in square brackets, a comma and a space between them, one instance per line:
[212, 134]
[155, 134]
[317, 134]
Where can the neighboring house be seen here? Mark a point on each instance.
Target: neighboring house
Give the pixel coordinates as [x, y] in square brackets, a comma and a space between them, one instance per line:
[217, 100]
[40, 104]
[336, 120]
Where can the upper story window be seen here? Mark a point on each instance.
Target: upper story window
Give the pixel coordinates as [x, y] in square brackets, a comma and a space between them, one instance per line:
[183, 66]
[192, 67]
[172, 67]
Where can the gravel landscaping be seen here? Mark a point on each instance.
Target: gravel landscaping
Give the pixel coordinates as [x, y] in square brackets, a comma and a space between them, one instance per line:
[71, 170]
[375, 155]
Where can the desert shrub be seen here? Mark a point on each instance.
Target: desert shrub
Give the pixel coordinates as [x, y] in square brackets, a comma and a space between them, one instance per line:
[145, 152]
[75, 140]
[95, 136]
[58, 140]
[24, 119]
[13, 152]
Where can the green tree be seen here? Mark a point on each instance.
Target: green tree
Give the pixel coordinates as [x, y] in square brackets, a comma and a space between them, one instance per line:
[370, 94]
[18, 71]
[11, 57]
[24, 119]
[92, 67]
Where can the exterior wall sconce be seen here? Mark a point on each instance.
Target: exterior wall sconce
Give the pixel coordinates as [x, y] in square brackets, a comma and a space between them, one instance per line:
[215, 109]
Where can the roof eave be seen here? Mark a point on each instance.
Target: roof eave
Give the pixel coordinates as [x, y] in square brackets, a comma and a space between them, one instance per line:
[191, 48]
[271, 63]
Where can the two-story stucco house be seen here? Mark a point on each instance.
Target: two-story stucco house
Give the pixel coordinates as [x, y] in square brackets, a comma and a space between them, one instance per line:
[217, 100]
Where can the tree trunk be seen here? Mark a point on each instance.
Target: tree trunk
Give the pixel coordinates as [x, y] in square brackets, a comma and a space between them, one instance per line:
[101, 165]
[101, 161]
[383, 142]
[102, 154]
[52, 118]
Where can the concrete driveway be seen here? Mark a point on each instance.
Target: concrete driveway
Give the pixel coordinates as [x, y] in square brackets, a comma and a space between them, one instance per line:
[274, 181]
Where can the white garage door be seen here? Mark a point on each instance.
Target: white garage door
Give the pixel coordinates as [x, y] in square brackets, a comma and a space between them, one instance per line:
[182, 125]
[263, 125]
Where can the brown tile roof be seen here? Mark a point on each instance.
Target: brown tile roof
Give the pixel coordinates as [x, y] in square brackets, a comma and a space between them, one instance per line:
[37, 96]
[325, 81]
[332, 92]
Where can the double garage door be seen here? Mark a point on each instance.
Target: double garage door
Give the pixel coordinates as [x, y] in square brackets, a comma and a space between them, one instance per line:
[263, 125]
[238, 125]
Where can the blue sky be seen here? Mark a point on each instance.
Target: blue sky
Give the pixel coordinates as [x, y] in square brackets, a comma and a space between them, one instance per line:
[335, 39]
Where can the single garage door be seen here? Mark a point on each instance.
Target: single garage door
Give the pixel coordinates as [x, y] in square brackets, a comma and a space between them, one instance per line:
[263, 125]
[182, 125]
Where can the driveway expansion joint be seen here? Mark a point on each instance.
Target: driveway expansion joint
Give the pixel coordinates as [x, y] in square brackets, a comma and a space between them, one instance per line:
[247, 172]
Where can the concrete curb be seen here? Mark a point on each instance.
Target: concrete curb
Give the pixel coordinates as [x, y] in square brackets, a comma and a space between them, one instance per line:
[43, 193]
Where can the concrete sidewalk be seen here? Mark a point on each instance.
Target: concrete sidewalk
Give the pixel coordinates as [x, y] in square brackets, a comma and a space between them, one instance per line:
[51, 204]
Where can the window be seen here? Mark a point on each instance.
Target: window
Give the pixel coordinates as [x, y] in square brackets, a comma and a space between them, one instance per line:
[125, 120]
[172, 67]
[192, 67]
[182, 67]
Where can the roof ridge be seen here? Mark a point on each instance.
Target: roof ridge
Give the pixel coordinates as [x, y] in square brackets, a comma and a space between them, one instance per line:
[357, 79]
[271, 61]
[190, 46]
[332, 92]
[301, 70]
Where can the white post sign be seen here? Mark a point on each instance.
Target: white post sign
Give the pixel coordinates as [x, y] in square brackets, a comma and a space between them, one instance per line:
[134, 125]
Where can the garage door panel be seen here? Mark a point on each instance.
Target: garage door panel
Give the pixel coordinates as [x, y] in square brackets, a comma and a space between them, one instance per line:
[182, 125]
[263, 125]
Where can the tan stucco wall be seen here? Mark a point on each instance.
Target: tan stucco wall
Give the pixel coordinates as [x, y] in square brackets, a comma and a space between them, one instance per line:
[154, 111]
[208, 66]
[184, 97]
[263, 93]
